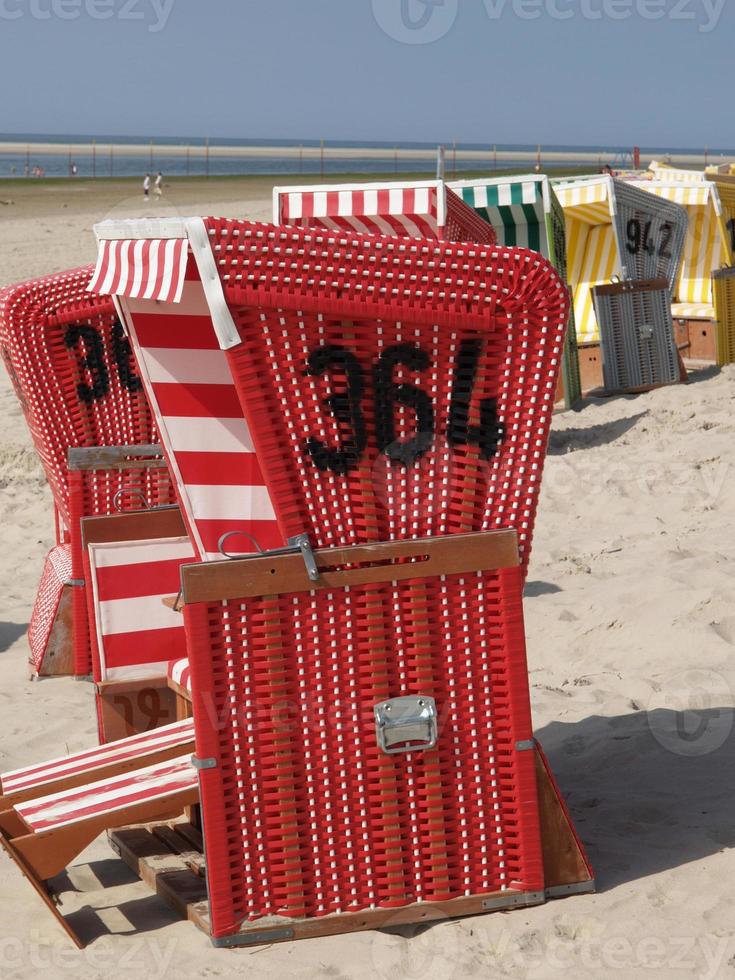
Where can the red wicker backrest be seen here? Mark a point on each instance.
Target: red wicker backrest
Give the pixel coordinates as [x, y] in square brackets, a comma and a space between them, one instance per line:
[393, 388]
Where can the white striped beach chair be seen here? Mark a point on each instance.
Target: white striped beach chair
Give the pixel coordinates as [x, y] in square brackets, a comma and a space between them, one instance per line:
[614, 229]
[50, 813]
[704, 317]
[525, 211]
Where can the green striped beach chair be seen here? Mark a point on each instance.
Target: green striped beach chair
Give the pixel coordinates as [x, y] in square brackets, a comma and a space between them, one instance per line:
[525, 211]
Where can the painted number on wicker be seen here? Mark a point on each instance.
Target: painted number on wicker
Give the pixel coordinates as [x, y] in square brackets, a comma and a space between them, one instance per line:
[346, 405]
[89, 346]
[639, 238]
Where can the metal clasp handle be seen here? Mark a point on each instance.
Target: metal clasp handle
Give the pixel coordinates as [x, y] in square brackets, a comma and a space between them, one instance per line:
[133, 492]
[407, 724]
[299, 544]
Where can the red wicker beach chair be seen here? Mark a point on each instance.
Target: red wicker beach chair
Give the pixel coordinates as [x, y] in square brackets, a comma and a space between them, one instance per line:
[75, 377]
[393, 389]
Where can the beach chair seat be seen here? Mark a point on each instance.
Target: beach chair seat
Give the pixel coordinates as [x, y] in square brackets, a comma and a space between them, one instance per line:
[132, 564]
[179, 681]
[75, 377]
[43, 835]
[89, 765]
[179, 672]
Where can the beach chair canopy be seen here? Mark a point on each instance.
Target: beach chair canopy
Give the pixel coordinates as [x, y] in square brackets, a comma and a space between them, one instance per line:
[520, 209]
[707, 245]
[417, 209]
[615, 229]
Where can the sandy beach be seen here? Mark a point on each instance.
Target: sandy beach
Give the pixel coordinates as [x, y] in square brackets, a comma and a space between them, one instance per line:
[631, 649]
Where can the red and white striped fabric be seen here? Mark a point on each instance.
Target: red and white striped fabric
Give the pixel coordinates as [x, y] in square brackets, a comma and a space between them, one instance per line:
[91, 761]
[180, 673]
[109, 795]
[420, 210]
[136, 633]
[151, 269]
[205, 437]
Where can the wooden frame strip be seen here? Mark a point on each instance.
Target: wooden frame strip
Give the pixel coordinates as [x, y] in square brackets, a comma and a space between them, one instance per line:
[262, 575]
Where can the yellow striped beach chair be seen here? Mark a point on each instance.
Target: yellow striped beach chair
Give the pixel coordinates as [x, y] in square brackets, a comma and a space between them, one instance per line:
[525, 212]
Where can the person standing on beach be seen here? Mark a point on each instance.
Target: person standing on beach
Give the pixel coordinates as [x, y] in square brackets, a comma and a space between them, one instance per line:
[158, 186]
[146, 186]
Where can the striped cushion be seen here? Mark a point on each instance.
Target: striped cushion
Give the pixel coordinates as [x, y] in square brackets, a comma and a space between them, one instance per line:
[136, 633]
[218, 478]
[92, 760]
[108, 796]
[180, 673]
[695, 311]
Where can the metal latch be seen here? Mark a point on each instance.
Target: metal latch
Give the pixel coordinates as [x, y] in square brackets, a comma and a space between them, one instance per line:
[407, 724]
[645, 331]
[299, 544]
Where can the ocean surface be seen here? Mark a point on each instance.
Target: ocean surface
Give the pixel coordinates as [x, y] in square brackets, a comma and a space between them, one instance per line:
[98, 161]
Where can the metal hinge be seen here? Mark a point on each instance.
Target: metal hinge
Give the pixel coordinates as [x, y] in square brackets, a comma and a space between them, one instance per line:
[203, 763]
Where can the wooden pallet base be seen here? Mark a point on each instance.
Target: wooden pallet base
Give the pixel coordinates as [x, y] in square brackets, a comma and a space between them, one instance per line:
[169, 859]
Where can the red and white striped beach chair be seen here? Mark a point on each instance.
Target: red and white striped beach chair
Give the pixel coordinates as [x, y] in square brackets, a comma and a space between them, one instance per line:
[132, 566]
[76, 380]
[50, 812]
[394, 389]
[415, 209]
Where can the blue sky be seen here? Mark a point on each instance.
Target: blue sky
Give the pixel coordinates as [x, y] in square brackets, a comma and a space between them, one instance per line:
[601, 72]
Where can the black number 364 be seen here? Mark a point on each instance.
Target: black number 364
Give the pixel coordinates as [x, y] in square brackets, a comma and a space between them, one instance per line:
[346, 406]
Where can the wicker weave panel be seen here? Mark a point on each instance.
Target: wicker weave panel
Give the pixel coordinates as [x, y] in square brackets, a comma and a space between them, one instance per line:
[430, 369]
[304, 815]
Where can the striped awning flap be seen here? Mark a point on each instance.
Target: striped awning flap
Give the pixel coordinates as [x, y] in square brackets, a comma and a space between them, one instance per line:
[688, 195]
[383, 210]
[153, 269]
